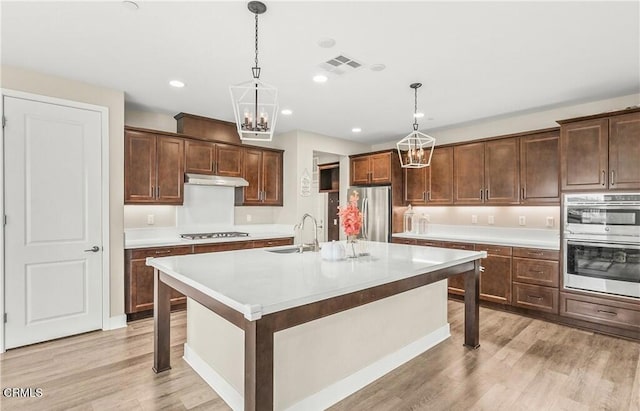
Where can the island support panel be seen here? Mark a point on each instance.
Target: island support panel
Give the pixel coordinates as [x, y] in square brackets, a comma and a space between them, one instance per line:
[259, 334]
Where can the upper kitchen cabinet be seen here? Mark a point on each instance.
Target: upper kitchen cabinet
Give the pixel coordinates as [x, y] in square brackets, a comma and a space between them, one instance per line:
[218, 159]
[487, 172]
[539, 168]
[601, 152]
[374, 168]
[153, 168]
[262, 168]
[431, 185]
[207, 128]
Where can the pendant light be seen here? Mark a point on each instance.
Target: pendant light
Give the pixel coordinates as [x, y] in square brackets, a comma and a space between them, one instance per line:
[416, 149]
[255, 104]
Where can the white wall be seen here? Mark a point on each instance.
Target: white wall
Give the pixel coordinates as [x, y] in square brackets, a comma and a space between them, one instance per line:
[153, 121]
[20, 79]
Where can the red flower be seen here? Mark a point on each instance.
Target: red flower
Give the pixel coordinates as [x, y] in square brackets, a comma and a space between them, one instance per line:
[350, 216]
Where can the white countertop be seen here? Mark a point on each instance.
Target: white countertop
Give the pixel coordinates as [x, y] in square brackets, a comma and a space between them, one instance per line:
[514, 237]
[256, 282]
[170, 236]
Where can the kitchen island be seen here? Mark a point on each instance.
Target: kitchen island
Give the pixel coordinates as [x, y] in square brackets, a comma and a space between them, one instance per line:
[266, 294]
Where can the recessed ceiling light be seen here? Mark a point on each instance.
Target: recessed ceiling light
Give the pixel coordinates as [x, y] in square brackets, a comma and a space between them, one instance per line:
[326, 42]
[377, 67]
[130, 5]
[320, 78]
[356, 129]
[176, 83]
[418, 115]
[287, 112]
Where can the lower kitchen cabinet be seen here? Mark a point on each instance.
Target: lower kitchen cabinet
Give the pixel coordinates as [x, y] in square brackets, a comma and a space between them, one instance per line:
[139, 277]
[456, 283]
[601, 310]
[495, 279]
[535, 297]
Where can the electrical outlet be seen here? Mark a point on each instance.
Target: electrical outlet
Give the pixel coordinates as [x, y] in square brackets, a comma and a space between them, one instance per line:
[151, 220]
[550, 222]
[491, 220]
[474, 219]
[522, 220]
[248, 218]
[428, 217]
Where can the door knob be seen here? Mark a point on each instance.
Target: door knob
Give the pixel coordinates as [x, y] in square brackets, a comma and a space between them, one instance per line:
[93, 249]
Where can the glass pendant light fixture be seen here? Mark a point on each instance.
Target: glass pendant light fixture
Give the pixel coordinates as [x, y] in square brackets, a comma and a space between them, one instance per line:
[416, 149]
[255, 104]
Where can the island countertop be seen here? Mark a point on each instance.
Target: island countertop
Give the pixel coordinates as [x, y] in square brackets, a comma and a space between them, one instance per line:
[257, 282]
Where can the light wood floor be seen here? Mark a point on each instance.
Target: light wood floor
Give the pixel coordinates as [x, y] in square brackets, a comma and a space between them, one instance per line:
[522, 364]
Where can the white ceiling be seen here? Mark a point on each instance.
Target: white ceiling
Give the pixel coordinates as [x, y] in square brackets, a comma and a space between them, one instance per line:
[475, 59]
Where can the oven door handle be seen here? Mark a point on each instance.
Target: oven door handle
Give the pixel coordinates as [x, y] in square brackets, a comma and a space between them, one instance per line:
[606, 244]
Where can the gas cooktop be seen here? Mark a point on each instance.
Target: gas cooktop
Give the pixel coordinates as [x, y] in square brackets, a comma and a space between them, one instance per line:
[222, 234]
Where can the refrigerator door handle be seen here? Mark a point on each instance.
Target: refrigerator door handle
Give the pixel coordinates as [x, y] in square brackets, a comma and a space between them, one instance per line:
[365, 217]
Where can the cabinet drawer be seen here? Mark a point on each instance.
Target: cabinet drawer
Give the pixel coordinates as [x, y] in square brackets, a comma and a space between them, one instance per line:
[274, 242]
[457, 246]
[540, 272]
[494, 249]
[216, 247]
[398, 240]
[535, 297]
[429, 243]
[160, 252]
[536, 253]
[600, 310]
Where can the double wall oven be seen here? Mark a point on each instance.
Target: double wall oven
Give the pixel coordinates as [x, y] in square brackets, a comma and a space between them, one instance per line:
[601, 243]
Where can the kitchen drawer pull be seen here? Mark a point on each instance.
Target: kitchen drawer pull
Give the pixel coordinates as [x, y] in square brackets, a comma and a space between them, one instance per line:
[481, 194]
[530, 253]
[486, 196]
[604, 177]
[534, 296]
[608, 312]
[524, 193]
[536, 272]
[163, 251]
[613, 177]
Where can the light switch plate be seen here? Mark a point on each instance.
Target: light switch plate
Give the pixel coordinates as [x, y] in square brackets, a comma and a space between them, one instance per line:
[550, 222]
[474, 219]
[248, 218]
[491, 220]
[151, 219]
[522, 220]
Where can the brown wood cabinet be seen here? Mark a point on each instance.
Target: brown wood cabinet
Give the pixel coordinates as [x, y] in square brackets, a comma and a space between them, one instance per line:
[219, 159]
[375, 168]
[153, 168]
[536, 277]
[601, 152]
[329, 177]
[207, 128]
[601, 310]
[495, 279]
[139, 276]
[487, 172]
[262, 168]
[431, 185]
[540, 169]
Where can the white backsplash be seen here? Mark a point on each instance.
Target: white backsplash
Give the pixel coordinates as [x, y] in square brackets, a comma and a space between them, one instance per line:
[206, 205]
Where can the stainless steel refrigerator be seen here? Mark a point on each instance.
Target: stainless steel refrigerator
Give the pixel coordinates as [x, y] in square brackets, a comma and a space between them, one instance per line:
[375, 205]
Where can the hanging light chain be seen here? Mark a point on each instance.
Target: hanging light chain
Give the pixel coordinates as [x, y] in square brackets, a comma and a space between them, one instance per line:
[256, 60]
[415, 110]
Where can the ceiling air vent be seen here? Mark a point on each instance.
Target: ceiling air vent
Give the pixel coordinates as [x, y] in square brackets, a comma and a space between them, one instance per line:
[340, 65]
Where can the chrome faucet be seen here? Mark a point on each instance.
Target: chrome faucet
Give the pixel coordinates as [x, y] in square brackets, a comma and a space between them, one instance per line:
[315, 246]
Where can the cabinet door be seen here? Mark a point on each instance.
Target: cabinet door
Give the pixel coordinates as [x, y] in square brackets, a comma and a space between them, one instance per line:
[359, 170]
[539, 169]
[252, 172]
[624, 151]
[228, 160]
[380, 168]
[502, 171]
[170, 170]
[271, 178]
[199, 157]
[416, 182]
[469, 173]
[139, 167]
[456, 283]
[495, 280]
[583, 154]
[440, 190]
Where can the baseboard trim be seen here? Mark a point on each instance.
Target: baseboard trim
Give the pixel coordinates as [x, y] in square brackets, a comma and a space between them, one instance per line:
[225, 390]
[334, 392]
[115, 322]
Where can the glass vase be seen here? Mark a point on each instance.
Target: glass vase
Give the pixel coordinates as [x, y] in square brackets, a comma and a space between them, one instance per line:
[352, 248]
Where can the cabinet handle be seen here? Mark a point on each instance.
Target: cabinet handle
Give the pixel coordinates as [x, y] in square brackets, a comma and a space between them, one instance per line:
[607, 312]
[534, 297]
[428, 195]
[158, 192]
[163, 251]
[604, 177]
[424, 195]
[214, 167]
[613, 178]
[536, 253]
[481, 194]
[524, 193]
[535, 272]
[487, 194]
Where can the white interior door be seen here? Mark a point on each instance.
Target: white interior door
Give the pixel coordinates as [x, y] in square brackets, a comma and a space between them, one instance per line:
[53, 232]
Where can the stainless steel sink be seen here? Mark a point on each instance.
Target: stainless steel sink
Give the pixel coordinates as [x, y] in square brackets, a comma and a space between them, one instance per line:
[291, 250]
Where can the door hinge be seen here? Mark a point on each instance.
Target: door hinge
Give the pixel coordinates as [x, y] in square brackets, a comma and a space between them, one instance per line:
[4, 220]
[5, 318]
[4, 121]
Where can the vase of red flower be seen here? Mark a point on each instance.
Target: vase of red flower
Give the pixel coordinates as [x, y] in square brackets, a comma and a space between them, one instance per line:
[351, 220]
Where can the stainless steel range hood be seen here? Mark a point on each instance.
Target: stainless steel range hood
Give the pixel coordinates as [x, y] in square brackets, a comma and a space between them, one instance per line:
[207, 180]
